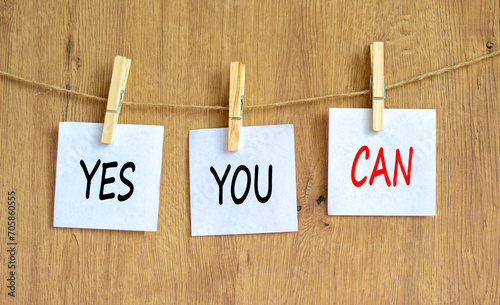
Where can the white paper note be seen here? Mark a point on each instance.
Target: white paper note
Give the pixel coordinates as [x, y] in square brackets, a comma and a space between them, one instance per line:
[358, 184]
[108, 186]
[224, 196]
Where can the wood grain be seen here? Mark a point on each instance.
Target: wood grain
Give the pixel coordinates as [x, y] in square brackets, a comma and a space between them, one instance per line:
[181, 51]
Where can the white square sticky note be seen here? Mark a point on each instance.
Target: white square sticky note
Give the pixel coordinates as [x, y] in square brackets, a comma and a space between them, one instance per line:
[108, 186]
[390, 172]
[248, 191]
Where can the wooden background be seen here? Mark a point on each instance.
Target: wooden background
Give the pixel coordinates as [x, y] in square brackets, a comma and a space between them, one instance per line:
[180, 53]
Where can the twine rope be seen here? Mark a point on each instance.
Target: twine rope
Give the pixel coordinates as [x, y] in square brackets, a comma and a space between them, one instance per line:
[402, 83]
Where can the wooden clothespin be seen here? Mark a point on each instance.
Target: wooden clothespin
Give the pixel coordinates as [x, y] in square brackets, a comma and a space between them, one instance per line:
[236, 104]
[119, 78]
[377, 84]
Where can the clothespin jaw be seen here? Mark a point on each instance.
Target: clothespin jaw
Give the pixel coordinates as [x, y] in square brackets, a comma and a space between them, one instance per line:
[119, 78]
[377, 84]
[236, 104]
